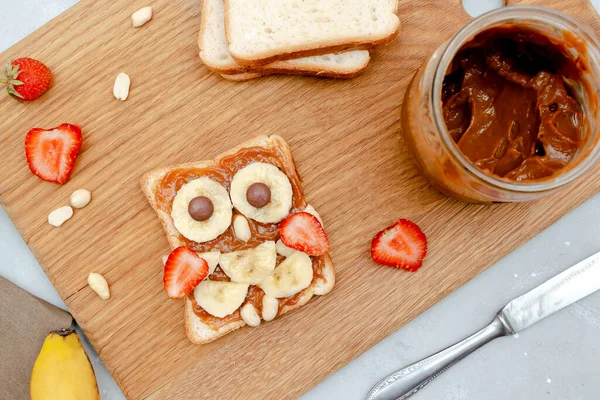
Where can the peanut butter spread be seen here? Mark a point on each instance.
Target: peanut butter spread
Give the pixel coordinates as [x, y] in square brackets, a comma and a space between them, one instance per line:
[507, 106]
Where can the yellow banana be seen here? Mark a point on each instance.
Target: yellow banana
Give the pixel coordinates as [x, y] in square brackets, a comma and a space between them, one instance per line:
[63, 370]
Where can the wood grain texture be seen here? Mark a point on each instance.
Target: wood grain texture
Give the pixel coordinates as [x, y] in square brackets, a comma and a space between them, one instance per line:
[346, 142]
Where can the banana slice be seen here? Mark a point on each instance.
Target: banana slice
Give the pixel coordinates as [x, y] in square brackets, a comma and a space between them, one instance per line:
[220, 298]
[250, 266]
[273, 198]
[219, 218]
[212, 259]
[291, 276]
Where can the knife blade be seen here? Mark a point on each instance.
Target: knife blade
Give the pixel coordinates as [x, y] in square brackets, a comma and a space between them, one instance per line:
[564, 289]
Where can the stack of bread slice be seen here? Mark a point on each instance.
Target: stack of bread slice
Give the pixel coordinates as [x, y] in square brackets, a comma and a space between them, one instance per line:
[246, 39]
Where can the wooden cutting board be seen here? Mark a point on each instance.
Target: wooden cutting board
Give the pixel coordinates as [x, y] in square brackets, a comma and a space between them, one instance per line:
[356, 170]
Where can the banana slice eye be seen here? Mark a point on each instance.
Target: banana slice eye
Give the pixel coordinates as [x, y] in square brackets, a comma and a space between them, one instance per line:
[202, 210]
[262, 192]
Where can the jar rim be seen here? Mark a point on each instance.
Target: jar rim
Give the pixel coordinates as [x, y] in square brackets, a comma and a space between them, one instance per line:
[469, 31]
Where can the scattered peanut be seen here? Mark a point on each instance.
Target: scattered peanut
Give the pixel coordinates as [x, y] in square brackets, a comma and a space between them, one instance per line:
[241, 228]
[249, 315]
[141, 16]
[121, 87]
[60, 216]
[80, 198]
[99, 285]
[270, 307]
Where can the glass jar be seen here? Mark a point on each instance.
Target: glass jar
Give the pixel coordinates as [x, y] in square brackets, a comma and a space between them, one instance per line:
[438, 156]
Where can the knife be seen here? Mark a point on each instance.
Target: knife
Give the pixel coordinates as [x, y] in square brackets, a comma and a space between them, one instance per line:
[564, 289]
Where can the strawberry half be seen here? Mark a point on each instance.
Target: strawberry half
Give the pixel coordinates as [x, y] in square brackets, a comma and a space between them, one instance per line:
[303, 232]
[184, 270]
[402, 245]
[51, 153]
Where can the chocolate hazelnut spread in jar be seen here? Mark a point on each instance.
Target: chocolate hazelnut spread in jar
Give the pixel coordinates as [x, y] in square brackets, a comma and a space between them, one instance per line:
[507, 109]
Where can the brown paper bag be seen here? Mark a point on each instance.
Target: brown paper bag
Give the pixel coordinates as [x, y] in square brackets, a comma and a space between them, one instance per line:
[25, 321]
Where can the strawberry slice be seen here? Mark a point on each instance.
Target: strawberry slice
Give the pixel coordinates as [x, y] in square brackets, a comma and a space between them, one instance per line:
[402, 245]
[303, 232]
[184, 270]
[51, 153]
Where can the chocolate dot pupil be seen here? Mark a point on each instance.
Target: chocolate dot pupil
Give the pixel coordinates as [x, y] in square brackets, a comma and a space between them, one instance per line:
[200, 208]
[258, 195]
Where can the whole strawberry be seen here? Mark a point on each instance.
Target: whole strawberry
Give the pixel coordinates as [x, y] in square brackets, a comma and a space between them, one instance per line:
[26, 79]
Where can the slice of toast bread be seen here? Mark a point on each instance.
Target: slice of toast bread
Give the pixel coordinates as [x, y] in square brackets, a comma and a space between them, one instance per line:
[197, 331]
[262, 31]
[214, 53]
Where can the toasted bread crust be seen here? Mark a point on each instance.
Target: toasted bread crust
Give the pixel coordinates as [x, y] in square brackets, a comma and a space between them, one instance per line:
[198, 332]
[268, 70]
[320, 51]
[275, 69]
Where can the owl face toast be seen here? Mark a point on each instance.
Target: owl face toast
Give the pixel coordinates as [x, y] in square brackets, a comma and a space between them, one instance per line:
[247, 248]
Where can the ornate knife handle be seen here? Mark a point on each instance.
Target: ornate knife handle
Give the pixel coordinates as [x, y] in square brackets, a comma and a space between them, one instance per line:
[404, 383]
